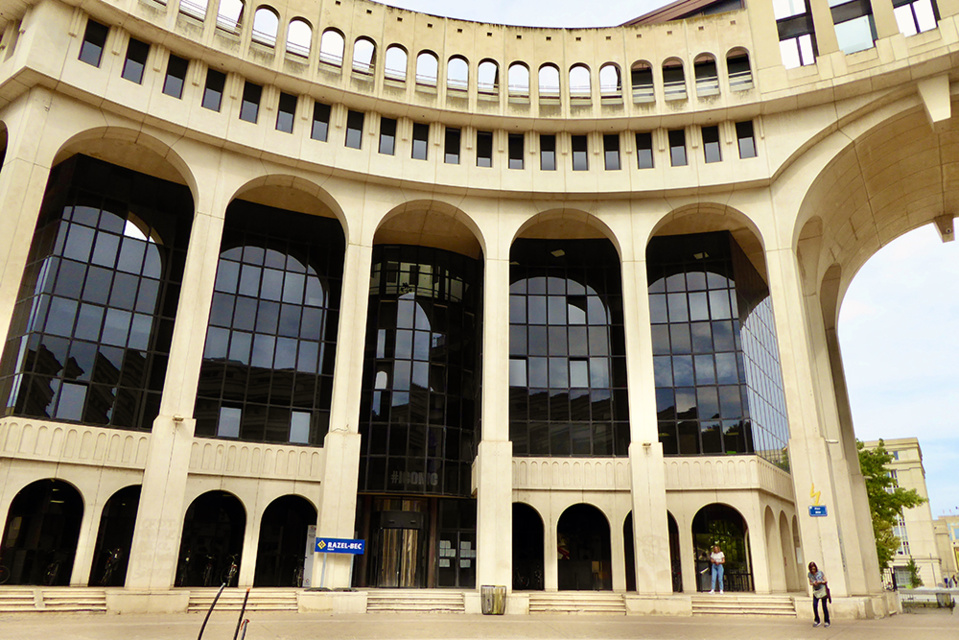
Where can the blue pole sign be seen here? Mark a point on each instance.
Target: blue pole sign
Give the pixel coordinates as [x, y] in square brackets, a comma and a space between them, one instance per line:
[817, 511]
[340, 545]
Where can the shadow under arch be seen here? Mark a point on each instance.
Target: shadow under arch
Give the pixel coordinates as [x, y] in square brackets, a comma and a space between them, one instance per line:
[294, 194]
[528, 548]
[584, 548]
[133, 150]
[719, 524]
[567, 224]
[213, 531]
[431, 223]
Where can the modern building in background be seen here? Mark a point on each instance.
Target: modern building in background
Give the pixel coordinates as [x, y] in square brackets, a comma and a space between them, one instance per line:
[947, 544]
[915, 530]
[552, 309]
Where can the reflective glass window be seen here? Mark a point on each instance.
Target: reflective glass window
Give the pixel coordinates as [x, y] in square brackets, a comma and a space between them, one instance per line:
[175, 76]
[136, 60]
[94, 39]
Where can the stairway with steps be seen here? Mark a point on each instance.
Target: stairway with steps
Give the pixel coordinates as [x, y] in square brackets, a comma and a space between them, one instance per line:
[743, 604]
[577, 602]
[414, 600]
[65, 599]
[261, 599]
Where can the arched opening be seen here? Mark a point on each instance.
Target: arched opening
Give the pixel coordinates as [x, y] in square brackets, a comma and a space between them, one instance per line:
[283, 545]
[395, 64]
[674, 80]
[723, 526]
[265, 25]
[332, 45]
[427, 69]
[775, 562]
[40, 536]
[457, 75]
[518, 80]
[788, 555]
[738, 70]
[487, 78]
[610, 80]
[212, 541]
[675, 557]
[229, 16]
[580, 84]
[528, 548]
[629, 548]
[707, 77]
[267, 369]
[641, 79]
[364, 57]
[549, 82]
[299, 37]
[89, 341]
[114, 538]
[419, 404]
[583, 545]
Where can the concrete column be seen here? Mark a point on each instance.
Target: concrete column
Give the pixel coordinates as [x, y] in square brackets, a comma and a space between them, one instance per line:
[687, 557]
[336, 515]
[159, 526]
[825, 29]
[83, 560]
[884, 18]
[831, 541]
[247, 567]
[494, 459]
[647, 468]
[550, 554]
[617, 545]
[23, 180]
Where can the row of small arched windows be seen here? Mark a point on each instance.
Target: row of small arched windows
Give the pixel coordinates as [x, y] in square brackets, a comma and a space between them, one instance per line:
[299, 39]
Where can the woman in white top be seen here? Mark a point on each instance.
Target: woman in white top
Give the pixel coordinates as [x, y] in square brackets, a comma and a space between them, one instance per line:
[820, 593]
[716, 560]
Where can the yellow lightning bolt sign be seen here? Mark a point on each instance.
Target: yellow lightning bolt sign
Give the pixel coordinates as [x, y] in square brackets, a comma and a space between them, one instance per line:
[814, 494]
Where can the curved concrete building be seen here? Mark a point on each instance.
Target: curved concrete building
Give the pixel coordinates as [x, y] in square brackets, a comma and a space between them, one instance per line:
[553, 309]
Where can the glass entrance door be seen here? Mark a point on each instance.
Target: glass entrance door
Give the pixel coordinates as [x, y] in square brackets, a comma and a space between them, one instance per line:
[399, 544]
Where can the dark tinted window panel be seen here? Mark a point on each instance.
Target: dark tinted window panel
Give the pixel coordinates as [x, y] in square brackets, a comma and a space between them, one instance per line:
[387, 136]
[484, 148]
[421, 135]
[175, 76]
[213, 90]
[250, 105]
[321, 121]
[285, 113]
[644, 150]
[580, 153]
[515, 150]
[547, 152]
[677, 148]
[354, 129]
[94, 39]
[136, 61]
[452, 146]
[611, 152]
[746, 139]
[711, 148]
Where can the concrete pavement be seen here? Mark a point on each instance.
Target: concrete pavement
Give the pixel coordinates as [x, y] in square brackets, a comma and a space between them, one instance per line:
[931, 625]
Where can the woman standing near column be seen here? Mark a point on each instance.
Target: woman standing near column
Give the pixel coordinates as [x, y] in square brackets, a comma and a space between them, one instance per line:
[820, 591]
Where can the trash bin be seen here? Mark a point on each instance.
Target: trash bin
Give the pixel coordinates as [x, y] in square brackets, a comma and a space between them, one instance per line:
[493, 599]
[944, 600]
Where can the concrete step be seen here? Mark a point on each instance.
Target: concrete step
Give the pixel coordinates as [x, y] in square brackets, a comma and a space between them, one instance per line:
[18, 599]
[232, 600]
[74, 599]
[743, 605]
[414, 600]
[577, 602]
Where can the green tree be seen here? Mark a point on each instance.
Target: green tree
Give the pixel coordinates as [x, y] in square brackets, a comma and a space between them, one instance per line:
[913, 569]
[886, 499]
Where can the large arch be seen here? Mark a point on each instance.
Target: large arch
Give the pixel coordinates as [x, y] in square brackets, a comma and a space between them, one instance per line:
[528, 548]
[295, 194]
[115, 537]
[40, 536]
[431, 223]
[585, 555]
[213, 531]
[283, 542]
[719, 524]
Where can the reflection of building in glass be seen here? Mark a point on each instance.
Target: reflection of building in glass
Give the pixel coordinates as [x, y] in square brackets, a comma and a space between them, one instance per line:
[718, 379]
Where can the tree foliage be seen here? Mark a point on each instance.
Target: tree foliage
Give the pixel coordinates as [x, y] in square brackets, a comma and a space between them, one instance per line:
[886, 499]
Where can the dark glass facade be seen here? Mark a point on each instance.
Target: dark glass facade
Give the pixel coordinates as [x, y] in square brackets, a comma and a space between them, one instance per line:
[419, 414]
[90, 335]
[715, 354]
[267, 372]
[567, 350]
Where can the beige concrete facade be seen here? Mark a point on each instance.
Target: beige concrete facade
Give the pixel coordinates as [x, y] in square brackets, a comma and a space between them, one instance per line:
[852, 151]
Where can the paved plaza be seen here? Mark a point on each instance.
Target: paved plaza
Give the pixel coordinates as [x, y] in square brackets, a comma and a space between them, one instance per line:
[935, 624]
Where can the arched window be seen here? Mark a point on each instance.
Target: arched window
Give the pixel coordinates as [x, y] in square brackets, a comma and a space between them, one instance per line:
[737, 67]
[396, 61]
[610, 80]
[549, 83]
[331, 48]
[364, 56]
[194, 8]
[265, 25]
[230, 15]
[518, 80]
[457, 74]
[487, 78]
[641, 78]
[299, 37]
[427, 68]
[579, 82]
[674, 80]
[707, 77]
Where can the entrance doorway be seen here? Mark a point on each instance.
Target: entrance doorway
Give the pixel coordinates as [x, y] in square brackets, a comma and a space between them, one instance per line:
[416, 543]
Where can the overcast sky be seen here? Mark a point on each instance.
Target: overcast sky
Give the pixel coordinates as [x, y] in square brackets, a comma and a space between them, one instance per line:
[897, 324]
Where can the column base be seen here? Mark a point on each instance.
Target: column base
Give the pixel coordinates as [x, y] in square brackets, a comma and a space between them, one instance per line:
[147, 601]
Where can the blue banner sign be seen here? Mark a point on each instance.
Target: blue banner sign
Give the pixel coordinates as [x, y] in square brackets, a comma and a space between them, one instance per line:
[340, 545]
[817, 511]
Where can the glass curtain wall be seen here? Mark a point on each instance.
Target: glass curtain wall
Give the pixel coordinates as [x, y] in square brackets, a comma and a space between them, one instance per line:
[715, 352]
[567, 350]
[90, 335]
[267, 372]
